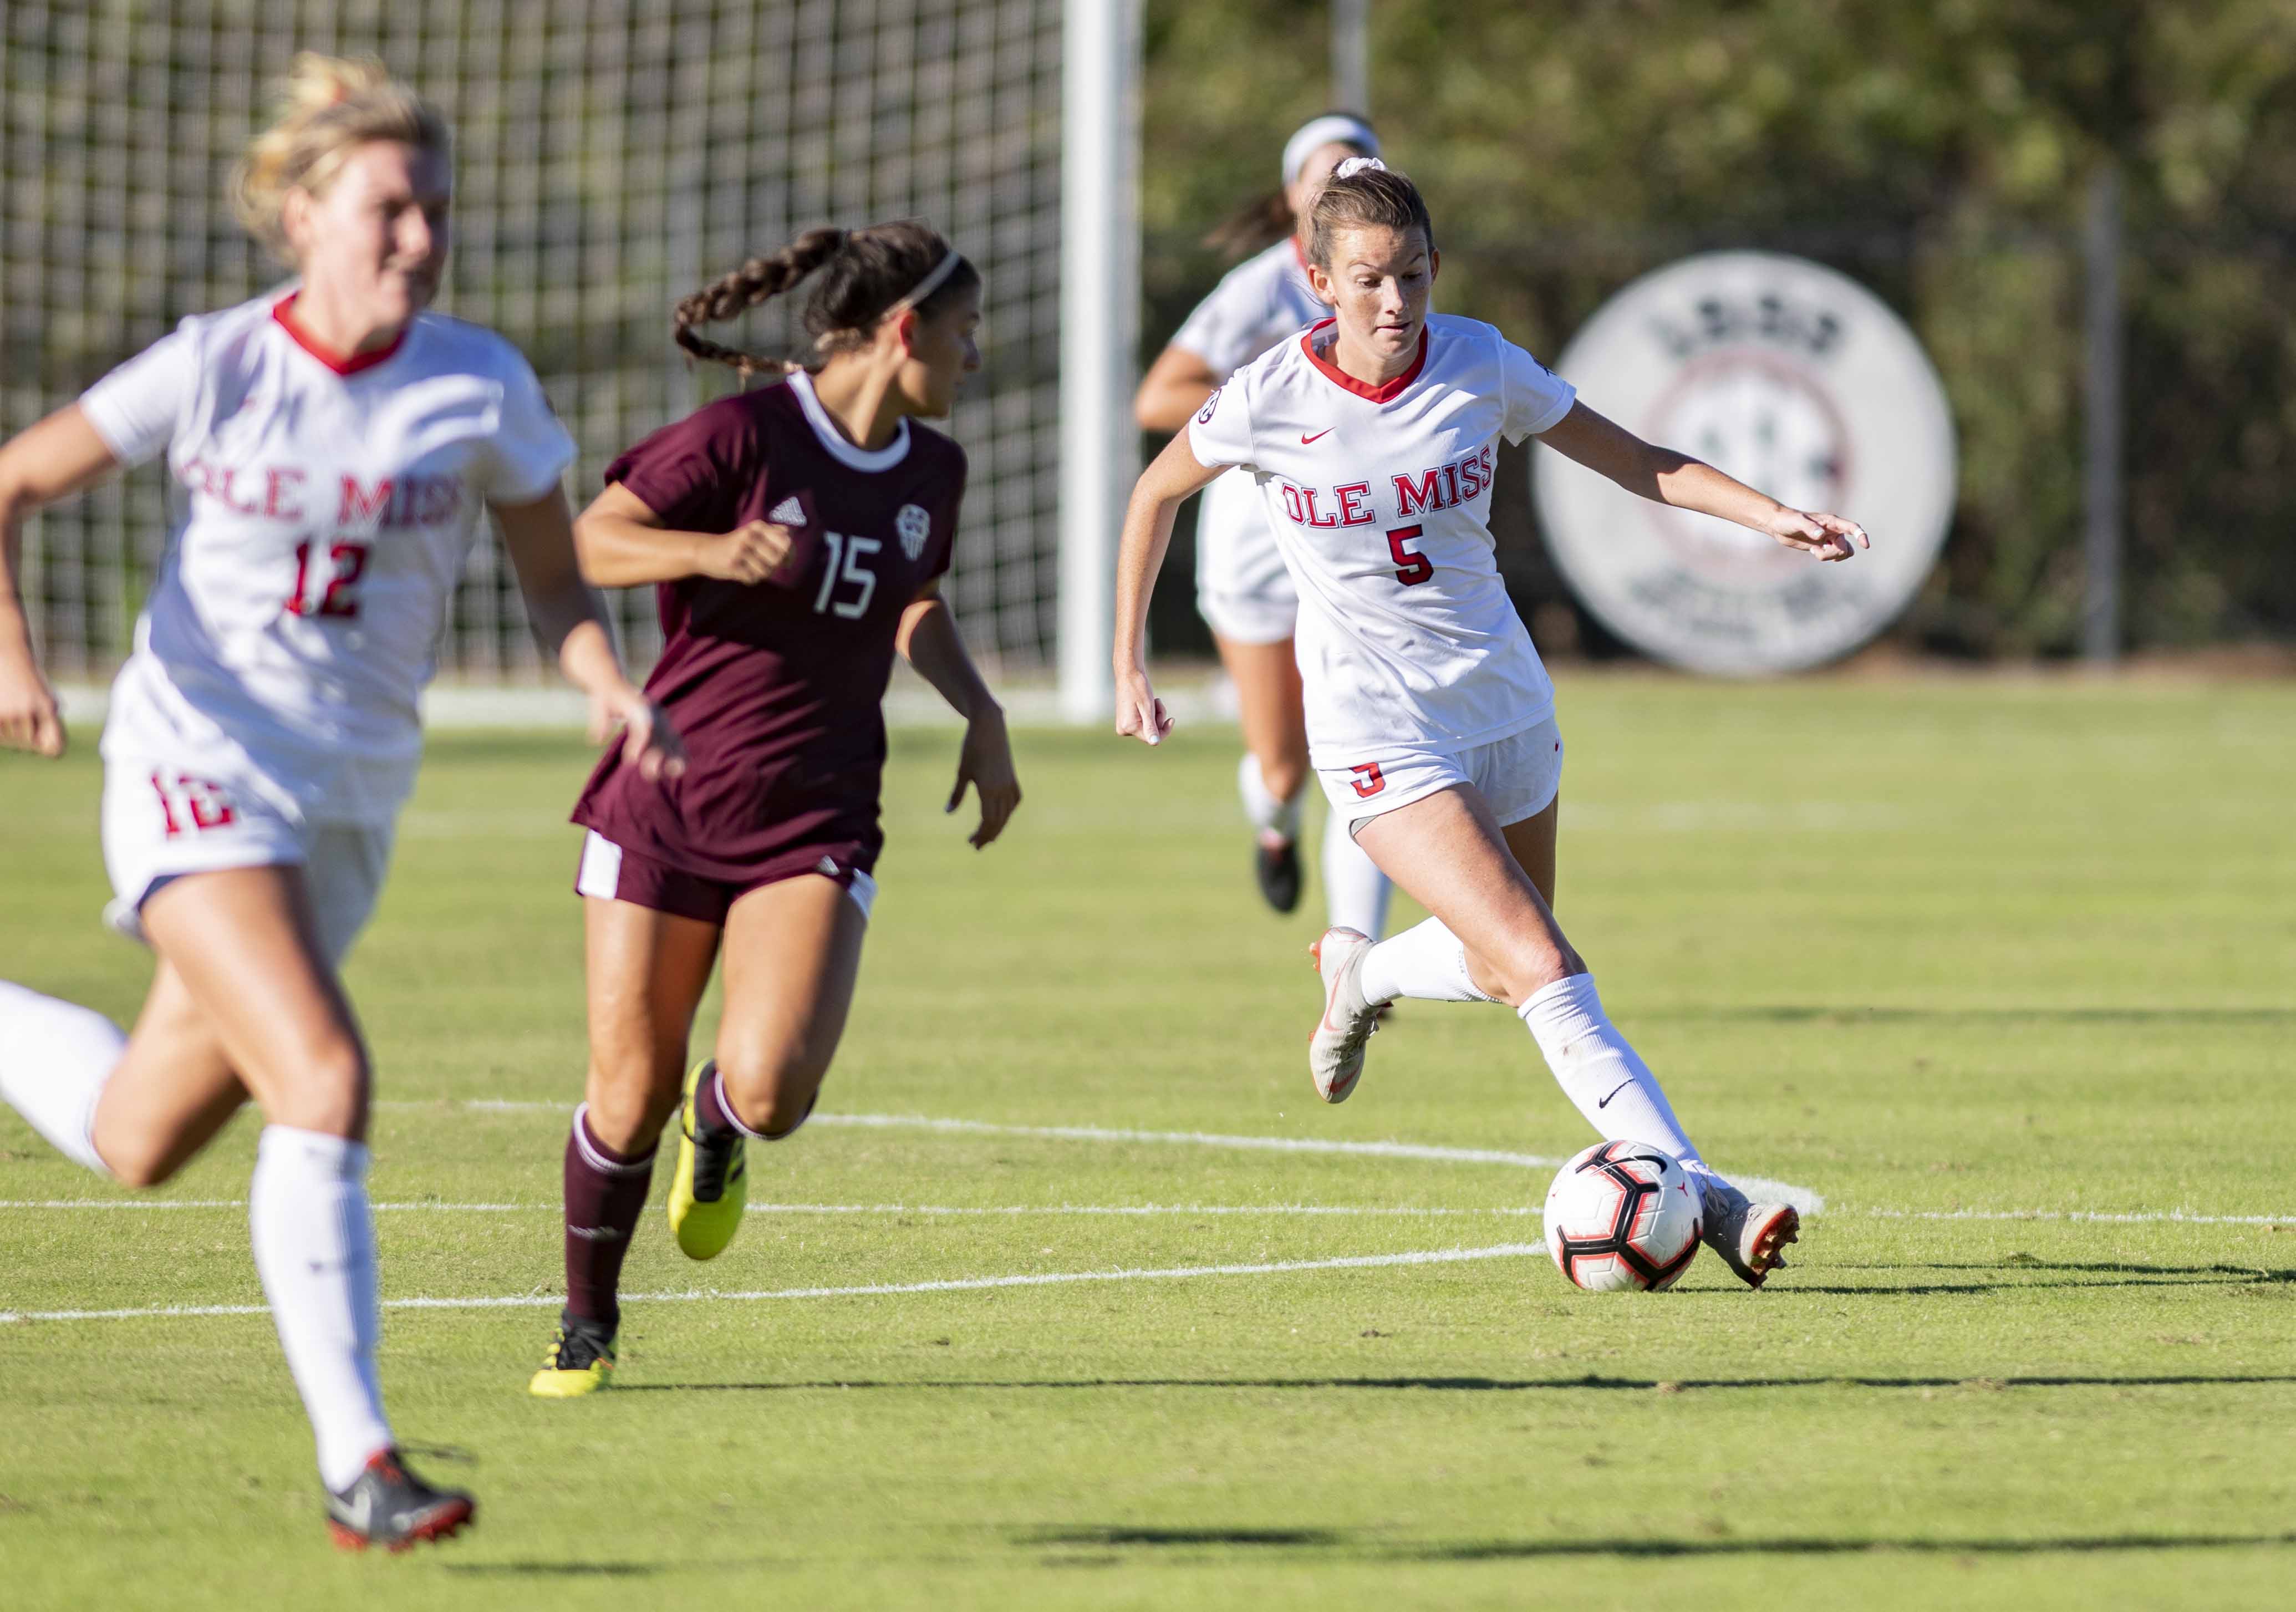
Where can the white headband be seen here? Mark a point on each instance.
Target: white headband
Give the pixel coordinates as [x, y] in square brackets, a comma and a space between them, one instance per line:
[931, 284]
[1333, 126]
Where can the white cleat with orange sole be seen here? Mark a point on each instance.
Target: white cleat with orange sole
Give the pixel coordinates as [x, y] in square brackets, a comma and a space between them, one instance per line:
[1749, 1238]
[1335, 1052]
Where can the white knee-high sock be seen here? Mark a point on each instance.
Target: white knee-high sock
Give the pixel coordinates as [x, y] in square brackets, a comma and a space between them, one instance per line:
[1261, 807]
[1600, 1072]
[314, 1237]
[1426, 961]
[1355, 891]
[55, 1058]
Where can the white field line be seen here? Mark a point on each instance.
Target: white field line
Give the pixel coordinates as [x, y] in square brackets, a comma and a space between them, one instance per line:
[241, 1203]
[2175, 1217]
[528, 1300]
[1804, 1199]
[2179, 1217]
[1205, 1210]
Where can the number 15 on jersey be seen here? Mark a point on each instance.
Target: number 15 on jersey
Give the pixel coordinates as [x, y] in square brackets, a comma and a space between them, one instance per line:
[846, 568]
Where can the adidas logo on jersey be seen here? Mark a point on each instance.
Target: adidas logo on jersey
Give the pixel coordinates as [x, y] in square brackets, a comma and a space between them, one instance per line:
[789, 511]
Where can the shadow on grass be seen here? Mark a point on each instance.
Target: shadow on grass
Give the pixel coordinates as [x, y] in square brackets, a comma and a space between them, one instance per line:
[1355, 1547]
[1120, 1536]
[1796, 1015]
[1471, 1385]
[2117, 1275]
[552, 1569]
[1507, 1549]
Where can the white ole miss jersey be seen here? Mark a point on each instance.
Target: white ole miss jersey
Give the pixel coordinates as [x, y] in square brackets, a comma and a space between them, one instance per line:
[1257, 304]
[323, 513]
[1380, 499]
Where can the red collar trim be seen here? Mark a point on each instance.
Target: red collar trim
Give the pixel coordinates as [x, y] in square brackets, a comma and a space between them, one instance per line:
[335, 361]
[1386, 392]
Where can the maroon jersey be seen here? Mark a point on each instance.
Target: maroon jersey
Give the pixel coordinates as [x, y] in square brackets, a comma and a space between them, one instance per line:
[777, 687]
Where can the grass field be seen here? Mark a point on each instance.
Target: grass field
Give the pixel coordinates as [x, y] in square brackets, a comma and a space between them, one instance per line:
[1970, 960]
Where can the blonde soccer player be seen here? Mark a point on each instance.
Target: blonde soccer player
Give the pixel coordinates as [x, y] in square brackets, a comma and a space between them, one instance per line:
[1372, 439]
[1242, 591]
[332, 450]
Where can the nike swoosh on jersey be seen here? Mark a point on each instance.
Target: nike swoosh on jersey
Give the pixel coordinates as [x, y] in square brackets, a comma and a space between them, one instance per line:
[1327, 431]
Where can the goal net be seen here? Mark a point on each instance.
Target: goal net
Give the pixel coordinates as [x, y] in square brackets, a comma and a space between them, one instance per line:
[611, 155]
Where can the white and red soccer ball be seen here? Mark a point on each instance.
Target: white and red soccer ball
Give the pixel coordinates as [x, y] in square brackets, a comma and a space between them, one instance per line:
[1624, 1216]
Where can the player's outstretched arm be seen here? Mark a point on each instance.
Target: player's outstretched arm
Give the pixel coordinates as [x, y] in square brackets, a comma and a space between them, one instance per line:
[1156, 498]
[930, 642]
[1667, 477]
[58, 457]
[624, 544]
[568, 624]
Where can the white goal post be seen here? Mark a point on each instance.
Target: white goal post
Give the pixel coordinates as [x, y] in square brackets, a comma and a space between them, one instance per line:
[1099, 329]
[610, 157]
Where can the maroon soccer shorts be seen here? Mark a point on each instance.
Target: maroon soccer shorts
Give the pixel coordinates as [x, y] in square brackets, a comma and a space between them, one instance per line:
[610, 871]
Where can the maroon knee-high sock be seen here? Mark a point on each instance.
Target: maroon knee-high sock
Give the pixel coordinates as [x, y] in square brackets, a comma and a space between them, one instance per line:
[605, 1194]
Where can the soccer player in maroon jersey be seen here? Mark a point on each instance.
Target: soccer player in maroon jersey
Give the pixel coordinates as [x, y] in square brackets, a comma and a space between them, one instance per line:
[797, 534]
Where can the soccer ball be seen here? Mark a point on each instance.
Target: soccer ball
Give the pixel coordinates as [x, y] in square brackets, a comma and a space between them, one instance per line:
[1623, 1215]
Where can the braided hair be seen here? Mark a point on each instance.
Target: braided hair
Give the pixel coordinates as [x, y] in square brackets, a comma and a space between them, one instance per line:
[862, 276]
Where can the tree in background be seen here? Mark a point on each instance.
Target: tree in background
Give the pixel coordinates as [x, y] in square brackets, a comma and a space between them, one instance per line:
[1939, 154]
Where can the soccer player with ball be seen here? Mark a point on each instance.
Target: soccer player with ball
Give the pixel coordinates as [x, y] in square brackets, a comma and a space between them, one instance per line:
[1372, 438]
[333, 451]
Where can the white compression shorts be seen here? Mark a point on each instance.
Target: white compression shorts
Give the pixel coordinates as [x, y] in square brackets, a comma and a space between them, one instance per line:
[1519, 776]
[163, 819]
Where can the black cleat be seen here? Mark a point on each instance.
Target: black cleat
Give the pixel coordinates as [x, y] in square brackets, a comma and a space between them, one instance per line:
[388, 1505]
[1278, 869]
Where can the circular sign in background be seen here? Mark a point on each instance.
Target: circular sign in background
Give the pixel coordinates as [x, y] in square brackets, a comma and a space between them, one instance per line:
[1797, 381]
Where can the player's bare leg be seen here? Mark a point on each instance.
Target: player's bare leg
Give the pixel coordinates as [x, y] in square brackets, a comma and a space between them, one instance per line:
[1275, 773]
[172, 1091]
[243, 945]
[645, 972]
[1487, 886]
[159, 1095]
[792, 956]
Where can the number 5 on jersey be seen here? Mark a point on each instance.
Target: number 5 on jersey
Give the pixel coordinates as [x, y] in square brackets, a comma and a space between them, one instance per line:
[1411, 566]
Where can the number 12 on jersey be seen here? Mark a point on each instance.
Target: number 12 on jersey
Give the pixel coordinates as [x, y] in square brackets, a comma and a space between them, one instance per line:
[336, 585]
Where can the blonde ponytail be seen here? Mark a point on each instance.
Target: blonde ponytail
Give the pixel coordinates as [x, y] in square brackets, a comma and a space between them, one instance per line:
[333, 105]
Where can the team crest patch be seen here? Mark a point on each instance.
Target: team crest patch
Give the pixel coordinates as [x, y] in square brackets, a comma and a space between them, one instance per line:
[914, 526]
[789, 511]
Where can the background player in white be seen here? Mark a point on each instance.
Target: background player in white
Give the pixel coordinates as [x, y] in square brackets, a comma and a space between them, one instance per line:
[1242, 590]
[331, 452]
[1430, 718]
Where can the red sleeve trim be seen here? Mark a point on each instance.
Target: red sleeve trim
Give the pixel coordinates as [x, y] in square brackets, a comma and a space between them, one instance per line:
[341, 362]
[1387, 392]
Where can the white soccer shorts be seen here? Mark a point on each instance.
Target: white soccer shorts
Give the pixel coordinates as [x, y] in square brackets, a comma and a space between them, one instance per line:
[162, 820]
[1518, 775]
[1242, 590]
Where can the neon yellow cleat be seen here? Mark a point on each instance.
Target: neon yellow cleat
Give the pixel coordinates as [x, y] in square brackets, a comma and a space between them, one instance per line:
[579, 1362]
[712, 1184]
